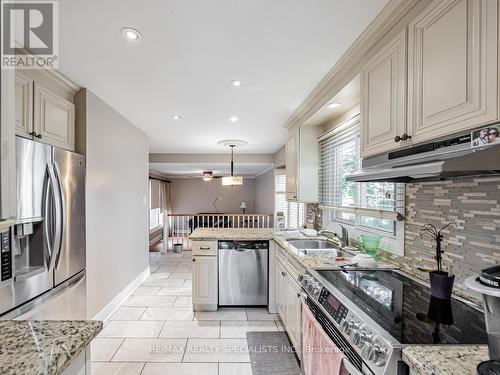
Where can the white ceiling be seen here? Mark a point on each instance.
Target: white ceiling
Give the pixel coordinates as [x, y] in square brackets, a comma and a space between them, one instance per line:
[191, 50]
[184, 170]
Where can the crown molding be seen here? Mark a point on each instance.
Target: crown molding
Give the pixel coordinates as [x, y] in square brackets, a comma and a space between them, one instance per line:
[390, 15]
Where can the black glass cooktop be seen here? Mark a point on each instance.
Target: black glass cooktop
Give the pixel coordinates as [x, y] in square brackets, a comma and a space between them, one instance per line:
[406, 309]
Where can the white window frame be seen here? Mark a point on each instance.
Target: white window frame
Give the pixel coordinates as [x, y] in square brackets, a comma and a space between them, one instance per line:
[393, 243]
[301, 219]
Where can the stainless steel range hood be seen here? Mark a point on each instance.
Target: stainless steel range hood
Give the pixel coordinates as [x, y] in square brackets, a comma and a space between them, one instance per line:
[447, 158]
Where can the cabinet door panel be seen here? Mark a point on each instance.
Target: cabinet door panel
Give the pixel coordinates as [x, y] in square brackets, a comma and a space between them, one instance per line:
[23, 106]
[205, 280]
[54, 119]
[281, 291]
[383, 105]
[453, 68]
[294, 313]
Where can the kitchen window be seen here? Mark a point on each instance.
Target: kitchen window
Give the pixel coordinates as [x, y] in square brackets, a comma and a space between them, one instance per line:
[371, 207]
[294, 212]
[155, 215]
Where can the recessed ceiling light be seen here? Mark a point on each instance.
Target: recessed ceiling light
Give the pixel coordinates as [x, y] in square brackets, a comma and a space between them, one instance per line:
[176, 117]
[236, 83]
[334, 104]
[131, 34]
[233, 119]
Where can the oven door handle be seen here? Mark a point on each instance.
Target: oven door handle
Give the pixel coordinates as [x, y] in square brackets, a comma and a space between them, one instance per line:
[351, 369]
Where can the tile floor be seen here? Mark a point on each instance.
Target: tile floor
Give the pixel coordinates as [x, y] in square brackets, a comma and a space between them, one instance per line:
[155, 331]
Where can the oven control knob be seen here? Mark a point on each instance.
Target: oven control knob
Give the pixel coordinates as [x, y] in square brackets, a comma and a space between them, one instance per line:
[316, 290]
[377, 355]
[346, 328]
[360, 338]
[353, 329]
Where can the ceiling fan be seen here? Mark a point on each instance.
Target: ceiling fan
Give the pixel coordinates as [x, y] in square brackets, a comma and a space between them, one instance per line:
[206, 176]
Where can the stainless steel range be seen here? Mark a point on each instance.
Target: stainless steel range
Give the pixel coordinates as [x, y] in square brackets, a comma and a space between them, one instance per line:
[371, 315]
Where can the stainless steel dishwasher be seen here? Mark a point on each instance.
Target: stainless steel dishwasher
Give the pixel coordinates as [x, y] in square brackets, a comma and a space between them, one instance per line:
[243, 273]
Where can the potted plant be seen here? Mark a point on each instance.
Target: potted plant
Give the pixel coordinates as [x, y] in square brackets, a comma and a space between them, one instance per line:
[441, 281]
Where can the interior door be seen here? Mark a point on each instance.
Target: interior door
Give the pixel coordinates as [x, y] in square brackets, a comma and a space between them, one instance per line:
[70, 171]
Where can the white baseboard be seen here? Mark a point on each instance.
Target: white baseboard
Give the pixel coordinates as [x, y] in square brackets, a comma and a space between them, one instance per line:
[116, 302]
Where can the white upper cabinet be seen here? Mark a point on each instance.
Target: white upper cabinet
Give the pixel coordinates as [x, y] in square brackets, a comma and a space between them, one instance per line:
[302, 164]
[41, 113]
[54, 120]
[452, 68]
[383, 99]
[24, 106]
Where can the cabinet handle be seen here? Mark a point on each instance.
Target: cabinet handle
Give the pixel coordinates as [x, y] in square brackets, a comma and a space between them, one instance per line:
[298, 295]
[36, 135]
[204, 248]
[405, 136]
[194, 260]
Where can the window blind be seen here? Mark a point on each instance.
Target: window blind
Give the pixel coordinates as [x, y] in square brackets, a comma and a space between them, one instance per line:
[154, 193]
[339, 157]
[293, 211]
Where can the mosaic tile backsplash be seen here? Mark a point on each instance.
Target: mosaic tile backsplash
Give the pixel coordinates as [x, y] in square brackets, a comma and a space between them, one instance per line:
[471, 244]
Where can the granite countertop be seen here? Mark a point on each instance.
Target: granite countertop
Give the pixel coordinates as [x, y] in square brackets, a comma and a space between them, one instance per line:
[232, 234]
[445, 359]
[5, 224]
[43, 347]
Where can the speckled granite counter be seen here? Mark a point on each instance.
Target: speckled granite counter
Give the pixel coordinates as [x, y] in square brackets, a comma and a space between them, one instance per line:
[5, 224]
[43, 347]
[208, 234]
[445, 359]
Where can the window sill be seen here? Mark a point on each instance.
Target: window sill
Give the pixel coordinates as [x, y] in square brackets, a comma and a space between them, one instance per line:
[151, 230]
[389, 243]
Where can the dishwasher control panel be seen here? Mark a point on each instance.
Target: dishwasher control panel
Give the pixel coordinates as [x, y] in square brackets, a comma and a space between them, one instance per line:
[244, 245]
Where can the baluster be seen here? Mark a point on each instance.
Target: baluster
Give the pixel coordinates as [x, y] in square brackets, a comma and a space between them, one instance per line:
[169, 218]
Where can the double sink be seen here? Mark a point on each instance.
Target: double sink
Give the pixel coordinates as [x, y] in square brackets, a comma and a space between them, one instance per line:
[317, 248]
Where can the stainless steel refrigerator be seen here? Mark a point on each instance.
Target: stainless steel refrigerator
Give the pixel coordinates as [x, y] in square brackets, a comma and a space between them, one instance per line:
[48, 237]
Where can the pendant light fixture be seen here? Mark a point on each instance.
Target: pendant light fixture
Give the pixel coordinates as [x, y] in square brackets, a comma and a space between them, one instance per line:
[232, 180]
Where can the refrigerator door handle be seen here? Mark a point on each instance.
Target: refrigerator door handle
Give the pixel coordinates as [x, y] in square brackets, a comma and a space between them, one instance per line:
[62, 202]
[58, 217]
[48, 189]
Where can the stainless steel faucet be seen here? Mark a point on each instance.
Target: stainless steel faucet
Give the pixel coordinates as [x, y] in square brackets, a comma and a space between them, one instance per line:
[344, 239]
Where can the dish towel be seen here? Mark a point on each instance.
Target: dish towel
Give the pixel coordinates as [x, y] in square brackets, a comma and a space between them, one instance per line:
[320, 356]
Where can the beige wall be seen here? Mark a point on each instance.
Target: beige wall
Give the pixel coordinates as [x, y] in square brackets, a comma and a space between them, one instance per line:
[193, 195]
[280, 158]
[117, 212]
[264, 193]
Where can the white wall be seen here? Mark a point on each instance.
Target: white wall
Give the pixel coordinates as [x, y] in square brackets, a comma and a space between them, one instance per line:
[117, 212]
[193, 195]
[264, 193]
